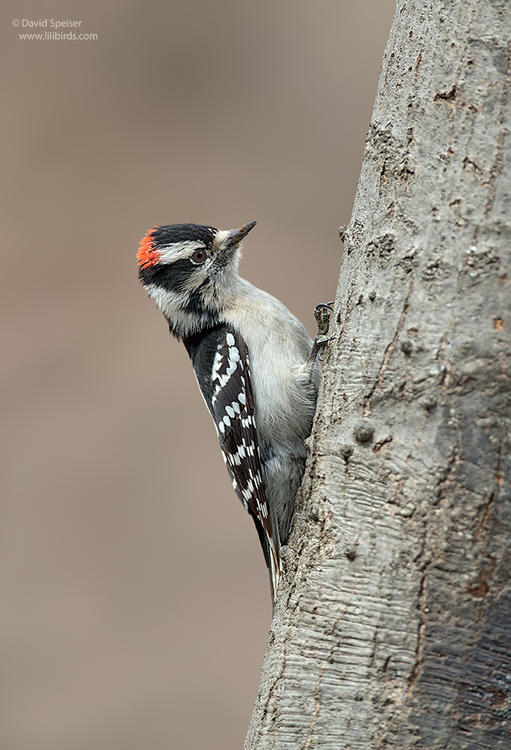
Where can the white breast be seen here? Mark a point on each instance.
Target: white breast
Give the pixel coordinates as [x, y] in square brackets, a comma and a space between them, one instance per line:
[279, 347]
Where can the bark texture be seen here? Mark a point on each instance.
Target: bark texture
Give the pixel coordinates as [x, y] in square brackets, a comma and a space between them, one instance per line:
[393, 625]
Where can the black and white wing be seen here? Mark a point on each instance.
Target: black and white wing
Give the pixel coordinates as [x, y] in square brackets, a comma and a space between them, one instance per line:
[221, 363]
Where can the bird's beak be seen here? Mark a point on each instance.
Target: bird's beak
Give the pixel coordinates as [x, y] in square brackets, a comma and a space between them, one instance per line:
[236, 235]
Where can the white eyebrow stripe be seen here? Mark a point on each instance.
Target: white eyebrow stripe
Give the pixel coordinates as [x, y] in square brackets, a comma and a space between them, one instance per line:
[178, 250]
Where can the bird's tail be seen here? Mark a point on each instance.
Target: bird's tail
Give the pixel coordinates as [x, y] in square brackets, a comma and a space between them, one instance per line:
[274, 571]
[271, 551]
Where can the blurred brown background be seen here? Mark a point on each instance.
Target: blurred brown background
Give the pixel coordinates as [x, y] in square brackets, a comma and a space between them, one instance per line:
[135, 601]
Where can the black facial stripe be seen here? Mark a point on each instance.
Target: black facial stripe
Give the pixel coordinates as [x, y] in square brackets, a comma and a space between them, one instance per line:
[195, 303]
[169, 276]
[171, 233]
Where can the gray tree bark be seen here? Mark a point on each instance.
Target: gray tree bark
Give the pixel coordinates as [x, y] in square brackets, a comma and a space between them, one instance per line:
[393, 624]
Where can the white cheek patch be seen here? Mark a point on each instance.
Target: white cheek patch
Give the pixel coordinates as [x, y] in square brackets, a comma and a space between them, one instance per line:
[170, 303]
[198, 275]
[166, 300]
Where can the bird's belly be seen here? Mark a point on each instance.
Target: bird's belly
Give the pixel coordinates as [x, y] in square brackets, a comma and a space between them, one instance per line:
[284, 401]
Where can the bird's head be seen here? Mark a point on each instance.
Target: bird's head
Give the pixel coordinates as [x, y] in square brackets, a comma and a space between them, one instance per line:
[189, 269]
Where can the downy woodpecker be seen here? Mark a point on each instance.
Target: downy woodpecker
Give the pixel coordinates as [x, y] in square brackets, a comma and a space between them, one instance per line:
[255, 364]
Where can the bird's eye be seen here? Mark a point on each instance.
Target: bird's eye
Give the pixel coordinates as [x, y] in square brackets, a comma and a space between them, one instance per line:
[198, 257]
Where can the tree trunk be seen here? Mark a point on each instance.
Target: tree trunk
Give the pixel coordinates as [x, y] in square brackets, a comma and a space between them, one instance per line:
[393, 624]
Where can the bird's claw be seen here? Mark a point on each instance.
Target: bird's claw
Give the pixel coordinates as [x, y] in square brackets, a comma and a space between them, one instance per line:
[322, 313]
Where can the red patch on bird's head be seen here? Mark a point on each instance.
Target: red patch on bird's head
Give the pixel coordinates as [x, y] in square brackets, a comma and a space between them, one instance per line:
[147, 254]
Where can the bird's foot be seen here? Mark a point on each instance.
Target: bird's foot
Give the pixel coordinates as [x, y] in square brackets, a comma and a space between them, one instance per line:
[322, 313]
